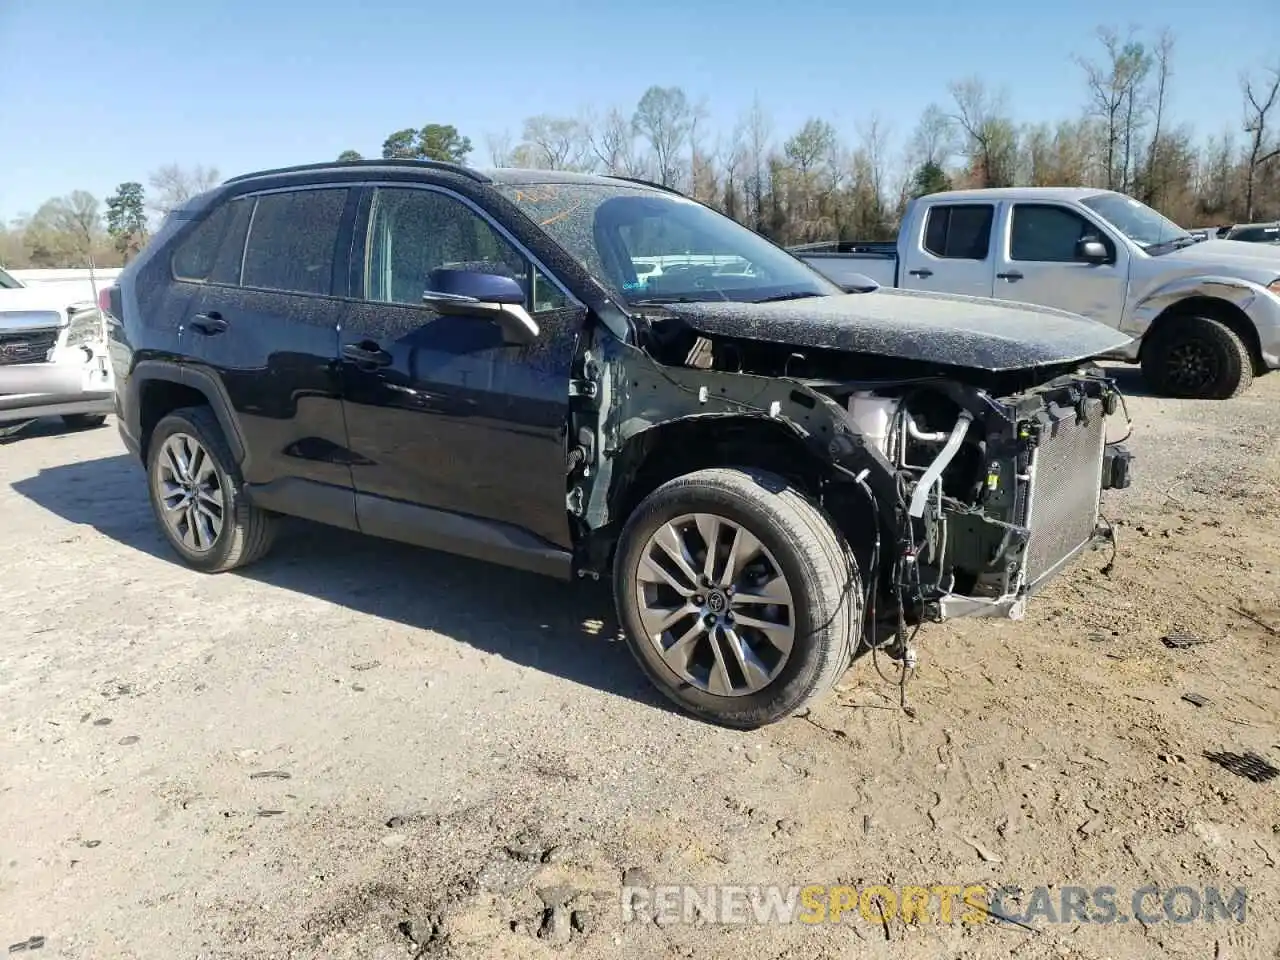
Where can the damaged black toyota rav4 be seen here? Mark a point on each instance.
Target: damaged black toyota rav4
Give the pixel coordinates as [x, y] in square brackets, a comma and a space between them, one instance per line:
[595, 377]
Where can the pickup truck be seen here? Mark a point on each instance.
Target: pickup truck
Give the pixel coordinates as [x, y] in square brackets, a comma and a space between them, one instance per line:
[1204, 314]
[586, 376]
[53, 358]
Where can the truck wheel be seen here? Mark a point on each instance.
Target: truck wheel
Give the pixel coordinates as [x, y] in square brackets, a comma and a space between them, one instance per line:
[739, 599]
[83, 421]
[1199, 358]
[195, 492]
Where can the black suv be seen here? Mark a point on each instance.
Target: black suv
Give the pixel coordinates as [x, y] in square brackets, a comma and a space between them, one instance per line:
[589, 376]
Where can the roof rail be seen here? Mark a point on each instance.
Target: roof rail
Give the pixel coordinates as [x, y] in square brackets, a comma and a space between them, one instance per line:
[646, 183]
[406, 162]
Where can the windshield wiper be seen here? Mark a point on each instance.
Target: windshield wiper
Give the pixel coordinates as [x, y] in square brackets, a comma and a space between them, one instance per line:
[797, 295]
[659, 301]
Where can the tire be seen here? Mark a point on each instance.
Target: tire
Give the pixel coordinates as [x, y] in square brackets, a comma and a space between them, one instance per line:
[1197, 358]
[83, 421]
[245, 533]
[799, 544]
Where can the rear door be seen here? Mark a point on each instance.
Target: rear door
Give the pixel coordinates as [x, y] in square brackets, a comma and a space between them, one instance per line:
[1038, 261]
[453, 422]
[951, 252]
[264, 332]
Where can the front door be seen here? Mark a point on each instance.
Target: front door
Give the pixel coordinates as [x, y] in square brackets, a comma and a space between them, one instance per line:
[441, 413]
[1040, 263]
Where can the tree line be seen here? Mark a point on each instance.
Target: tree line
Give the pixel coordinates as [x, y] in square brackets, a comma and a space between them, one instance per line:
[813, 183]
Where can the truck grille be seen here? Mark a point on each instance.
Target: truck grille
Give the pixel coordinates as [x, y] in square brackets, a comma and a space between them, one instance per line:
[28, 346]
[1063, 508]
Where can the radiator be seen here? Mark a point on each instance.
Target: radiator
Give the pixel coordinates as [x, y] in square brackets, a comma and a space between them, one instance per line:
[1066, 482]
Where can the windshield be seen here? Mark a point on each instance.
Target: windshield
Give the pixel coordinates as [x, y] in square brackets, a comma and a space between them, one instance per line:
[1137, 221]
[652, 247]
[7, 282]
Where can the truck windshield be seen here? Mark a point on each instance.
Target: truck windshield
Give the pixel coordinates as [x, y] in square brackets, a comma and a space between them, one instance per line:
[653, 247]
[1145, 227]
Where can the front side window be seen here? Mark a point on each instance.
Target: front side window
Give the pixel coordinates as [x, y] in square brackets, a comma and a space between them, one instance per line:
[414, 232]
[959, 231]
[7, 282]
[653, 247]
[292, 241]
[1048, 234]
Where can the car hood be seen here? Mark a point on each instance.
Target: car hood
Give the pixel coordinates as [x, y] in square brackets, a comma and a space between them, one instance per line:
[934, 328]
[55, 297]
[1229, 254]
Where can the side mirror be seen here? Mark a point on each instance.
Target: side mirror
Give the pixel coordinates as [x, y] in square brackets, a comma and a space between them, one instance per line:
[491, 296]
[858, 283]
[1092, 250]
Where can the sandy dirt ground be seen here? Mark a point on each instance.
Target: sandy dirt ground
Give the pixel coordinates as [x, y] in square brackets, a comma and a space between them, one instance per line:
[360, 750]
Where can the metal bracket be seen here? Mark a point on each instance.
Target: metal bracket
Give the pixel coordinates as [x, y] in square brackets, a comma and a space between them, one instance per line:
[583, 388]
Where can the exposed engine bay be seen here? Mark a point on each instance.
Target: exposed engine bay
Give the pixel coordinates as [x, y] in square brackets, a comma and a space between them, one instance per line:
[980, 485]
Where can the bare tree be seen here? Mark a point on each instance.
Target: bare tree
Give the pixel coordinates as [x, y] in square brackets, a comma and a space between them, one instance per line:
[990, 134]
[1114, 89]
[1259, 102]
[500, 148]
[757, 132]
[558, 143]
[664, 118]
[934, 140]
[173, 186]
[1156, 175]
[613, 141]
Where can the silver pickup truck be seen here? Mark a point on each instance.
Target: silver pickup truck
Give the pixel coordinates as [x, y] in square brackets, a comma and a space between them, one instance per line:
[1204, 314]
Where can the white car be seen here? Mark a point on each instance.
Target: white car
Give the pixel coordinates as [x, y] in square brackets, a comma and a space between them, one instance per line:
[53, 358]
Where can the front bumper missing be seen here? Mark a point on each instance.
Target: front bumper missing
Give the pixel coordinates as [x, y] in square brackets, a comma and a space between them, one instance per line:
[77, 380]
[1116, 474]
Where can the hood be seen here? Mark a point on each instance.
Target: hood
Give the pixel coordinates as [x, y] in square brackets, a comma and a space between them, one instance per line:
[1230, 254]
[57, 296]
[933, 328]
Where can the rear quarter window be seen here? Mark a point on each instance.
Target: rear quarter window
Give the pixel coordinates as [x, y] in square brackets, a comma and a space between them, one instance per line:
[194, 256]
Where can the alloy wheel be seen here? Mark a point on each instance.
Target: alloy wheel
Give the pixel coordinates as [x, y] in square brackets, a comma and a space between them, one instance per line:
[1192, 366]
[189, 490]
[715, 604]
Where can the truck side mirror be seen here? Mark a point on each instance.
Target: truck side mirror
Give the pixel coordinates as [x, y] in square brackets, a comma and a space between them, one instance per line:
[1092, 250]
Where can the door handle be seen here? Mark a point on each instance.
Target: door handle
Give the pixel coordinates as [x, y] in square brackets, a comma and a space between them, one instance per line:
[1013, 276]
[367, 353]
[923, 272]
[209, 323]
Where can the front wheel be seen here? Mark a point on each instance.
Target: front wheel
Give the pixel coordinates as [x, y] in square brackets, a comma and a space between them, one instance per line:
[1197, 358]
[737, 596]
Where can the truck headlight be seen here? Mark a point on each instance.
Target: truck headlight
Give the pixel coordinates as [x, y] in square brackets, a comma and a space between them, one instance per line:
[84, 328]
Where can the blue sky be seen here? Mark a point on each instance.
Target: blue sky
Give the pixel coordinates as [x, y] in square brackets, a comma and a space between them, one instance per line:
[94, 94]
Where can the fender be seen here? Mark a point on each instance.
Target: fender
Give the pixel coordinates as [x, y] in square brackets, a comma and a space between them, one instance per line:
[1252, 299]
[169, 371]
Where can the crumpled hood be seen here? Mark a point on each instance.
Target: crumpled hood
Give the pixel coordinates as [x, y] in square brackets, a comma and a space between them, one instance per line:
[936, 328]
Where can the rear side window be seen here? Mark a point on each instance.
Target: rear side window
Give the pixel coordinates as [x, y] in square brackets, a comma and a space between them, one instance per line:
[226, 266]
[292, 241]
[194, 257]
[959, 231]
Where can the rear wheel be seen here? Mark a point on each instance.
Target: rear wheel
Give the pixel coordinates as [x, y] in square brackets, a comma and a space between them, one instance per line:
[737, 596]
[1197, 358]
[195, 488]
[84, 421]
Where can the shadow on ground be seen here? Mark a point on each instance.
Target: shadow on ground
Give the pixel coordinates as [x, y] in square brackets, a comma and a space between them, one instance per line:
[568, 630]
